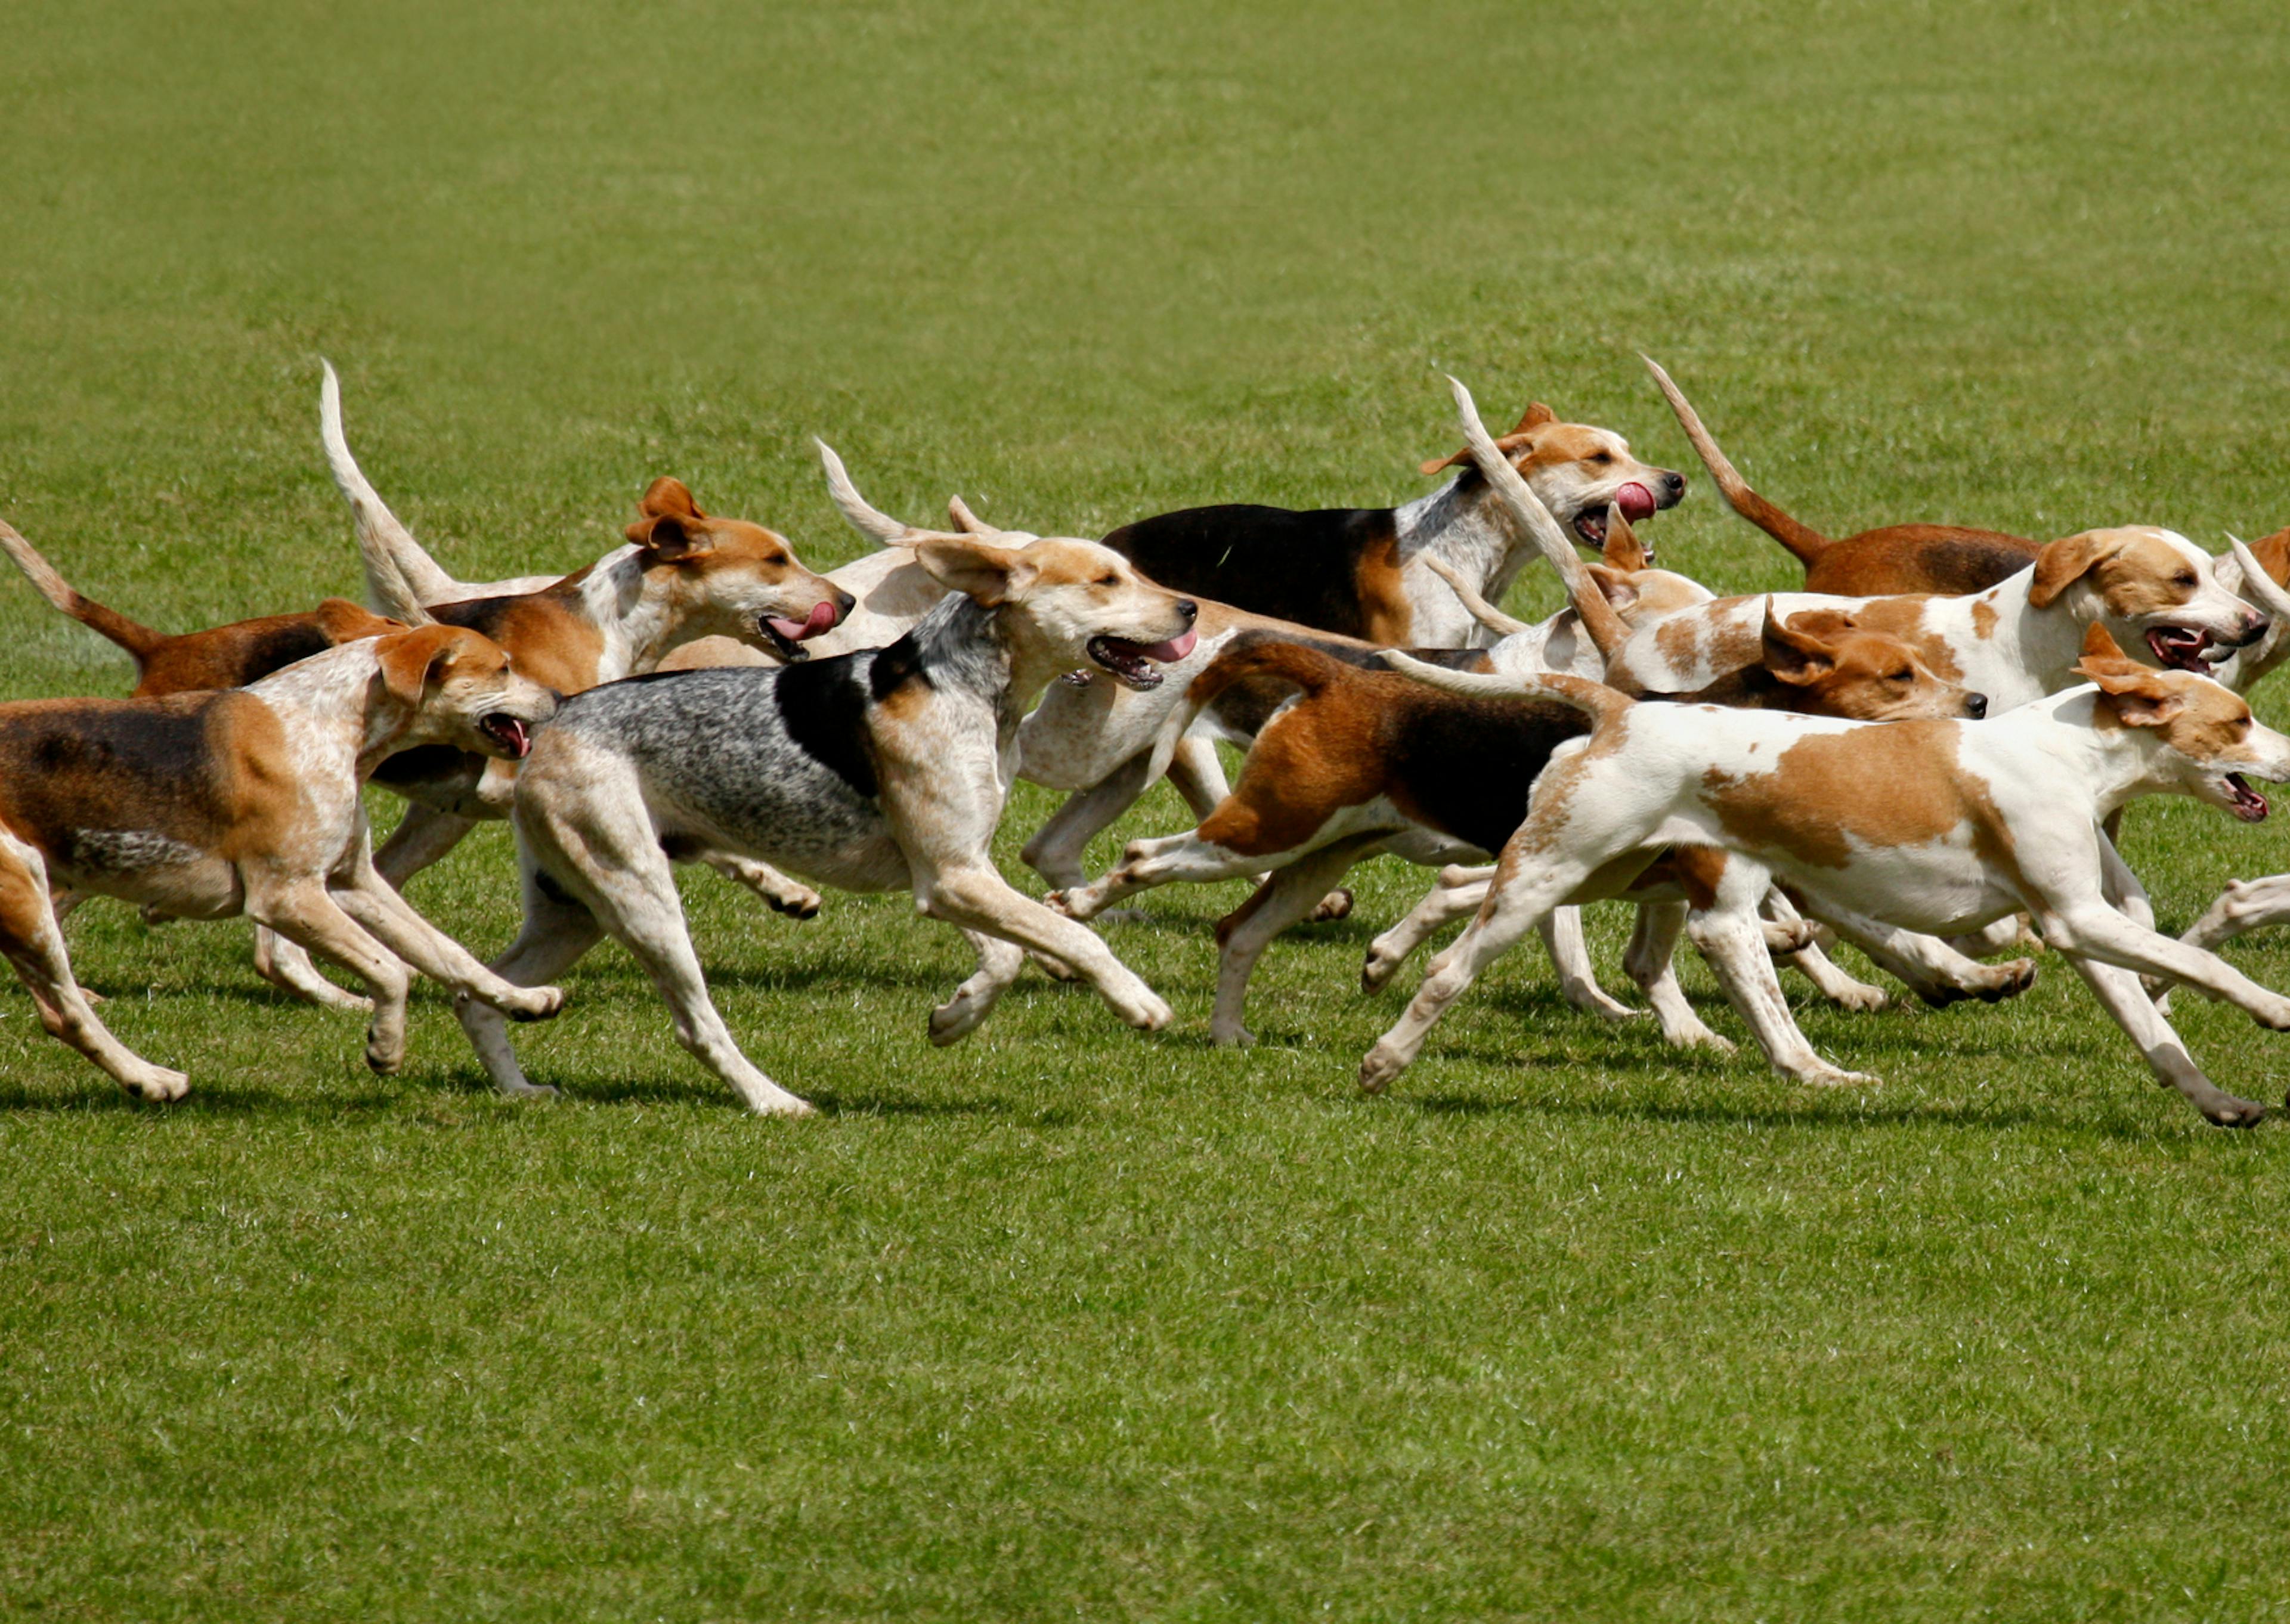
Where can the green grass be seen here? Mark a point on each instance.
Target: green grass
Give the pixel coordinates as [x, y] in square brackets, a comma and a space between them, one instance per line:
[1066, 1321]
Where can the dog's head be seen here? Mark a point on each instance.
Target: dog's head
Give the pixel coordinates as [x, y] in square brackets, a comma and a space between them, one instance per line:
[446, 685]
[1842, 669]
[1579, 472]
[729, 578]
[1069, 601]
[2208, 737]
[2152, 589]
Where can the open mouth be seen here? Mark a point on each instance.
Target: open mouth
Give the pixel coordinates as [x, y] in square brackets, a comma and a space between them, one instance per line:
[2244, 802]
[784, 634]
[509, 732]
[1133, 663]
[2180, 648]
[1636, 503]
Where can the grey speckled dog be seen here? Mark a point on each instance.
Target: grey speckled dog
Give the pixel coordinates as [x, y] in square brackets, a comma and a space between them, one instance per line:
[881, 770]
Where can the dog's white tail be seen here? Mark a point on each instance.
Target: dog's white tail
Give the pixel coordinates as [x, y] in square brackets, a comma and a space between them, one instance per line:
[1601, 701]
[867, 520]
[2261, 589]
[1485, 613]
[1608, 630]
[400, 575]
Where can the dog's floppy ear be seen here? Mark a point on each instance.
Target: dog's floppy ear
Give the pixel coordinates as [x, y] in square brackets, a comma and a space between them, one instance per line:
[1794, 653]
[2063, 563]
[668, 524]
[1535, 417]
[408, 659]
[2139, 696]
[1615, 585]
[992, 575]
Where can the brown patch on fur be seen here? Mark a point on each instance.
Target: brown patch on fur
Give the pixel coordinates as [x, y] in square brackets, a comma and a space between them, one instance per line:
[2273, 552]
[1943, 559]
[547, 633]
[1878, 786]
[1386, 617]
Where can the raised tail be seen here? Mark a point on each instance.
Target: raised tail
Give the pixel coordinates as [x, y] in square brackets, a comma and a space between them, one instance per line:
[136, 638]
[400, 575]
[1607, 630]
[1599, 701]
[1806, 543]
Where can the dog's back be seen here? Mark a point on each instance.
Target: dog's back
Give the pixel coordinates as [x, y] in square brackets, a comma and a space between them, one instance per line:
[1315, 568]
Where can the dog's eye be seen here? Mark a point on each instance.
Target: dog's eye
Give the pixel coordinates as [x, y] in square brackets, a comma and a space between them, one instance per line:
[1903, 675]
[1109, 580]
[1602, 457]
[2185, 578]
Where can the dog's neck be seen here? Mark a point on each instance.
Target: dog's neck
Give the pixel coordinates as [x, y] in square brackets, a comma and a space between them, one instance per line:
[1464, 524]
[2045, 643]
[643, 612]
[339, 715]
[2113, 763]
[961, 646]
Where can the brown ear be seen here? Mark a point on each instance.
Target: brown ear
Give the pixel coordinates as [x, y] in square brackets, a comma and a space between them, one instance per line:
[1795, 656]
[1535, 417]
[1615, 585]
[408, 659]
[991, 575]
[2139, 698]
[670, 536]
[344, 621]
[1623, 549]
[2101, 652]
[668, 494]
[2063, 563]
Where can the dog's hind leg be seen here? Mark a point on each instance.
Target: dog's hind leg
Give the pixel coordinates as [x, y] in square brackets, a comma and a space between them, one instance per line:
[1197, 772]
[1934, 971]
[1815, 965]
[999, 964]
[1291, 894]
[1457, 893]
[35, 946]
[1731, 936]
[557, 930]
[1570, 957]
[2119, 992]
[1652, 961]
[1516, 900]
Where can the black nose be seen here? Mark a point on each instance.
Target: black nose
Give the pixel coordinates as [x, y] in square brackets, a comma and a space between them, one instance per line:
[2257, 631]
[1975, 706]
[1188, 608]
[844, 604]
[1675, 484]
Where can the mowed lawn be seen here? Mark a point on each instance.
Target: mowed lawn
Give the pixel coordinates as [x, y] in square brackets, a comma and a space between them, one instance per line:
[1067, 1320]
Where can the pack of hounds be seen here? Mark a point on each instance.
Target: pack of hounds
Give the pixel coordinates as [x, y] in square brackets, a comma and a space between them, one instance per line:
[1925, 753]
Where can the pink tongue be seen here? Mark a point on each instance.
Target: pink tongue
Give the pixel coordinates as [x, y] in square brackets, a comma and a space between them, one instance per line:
[1175, 648]
[822, 616]
[1636, 501]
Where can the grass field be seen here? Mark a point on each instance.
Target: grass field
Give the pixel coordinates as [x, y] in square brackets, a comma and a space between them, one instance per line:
[1066, 1321]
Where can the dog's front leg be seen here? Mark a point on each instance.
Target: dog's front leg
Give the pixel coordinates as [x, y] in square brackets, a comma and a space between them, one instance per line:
[299, 908]
[2089, 927]
[1815, 965]
[779, 893]
[1056, 853]
[1148, 863]
[975, 897]
[286, 965]
[423, 836]
[2244, 905]
[391, 920]
[999, 964]
[2119, 992]
[2120, 886]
